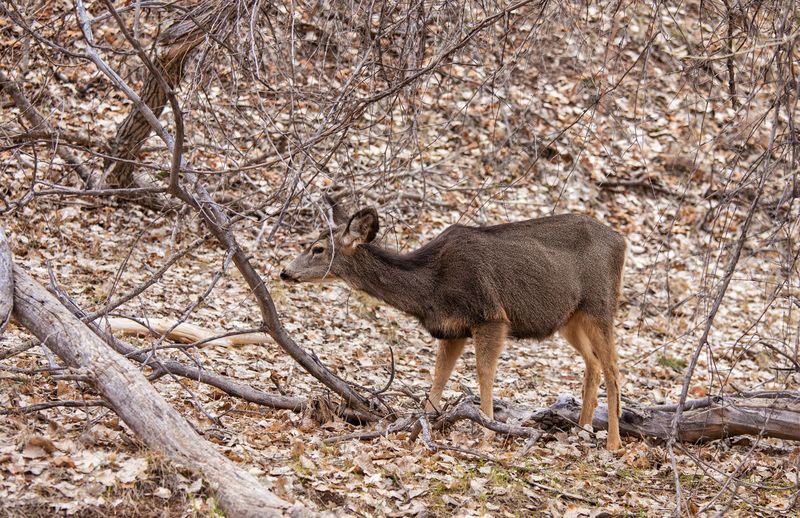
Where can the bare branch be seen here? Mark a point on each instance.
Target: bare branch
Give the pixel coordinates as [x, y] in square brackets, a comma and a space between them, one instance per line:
[40, 124]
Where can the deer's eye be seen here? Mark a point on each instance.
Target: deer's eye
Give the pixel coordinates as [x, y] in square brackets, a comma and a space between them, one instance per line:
[317, 250]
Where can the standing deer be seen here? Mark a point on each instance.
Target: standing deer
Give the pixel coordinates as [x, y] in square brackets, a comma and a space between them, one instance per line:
[527, 279]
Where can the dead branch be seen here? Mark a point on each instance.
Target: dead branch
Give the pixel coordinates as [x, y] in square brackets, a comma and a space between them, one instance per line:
[39, 123]
[21, 348]
[55, 404]
[773, 414]
[764, 414]
[466, 409]
[230, 387]
[77, 139]
[133, 191]
[398, 426]
[645, 184]
[137, 402]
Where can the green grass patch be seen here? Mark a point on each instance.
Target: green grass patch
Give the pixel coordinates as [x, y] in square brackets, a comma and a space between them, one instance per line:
[676, 364]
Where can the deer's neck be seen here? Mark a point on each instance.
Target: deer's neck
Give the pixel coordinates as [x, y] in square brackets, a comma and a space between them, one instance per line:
[400, 280]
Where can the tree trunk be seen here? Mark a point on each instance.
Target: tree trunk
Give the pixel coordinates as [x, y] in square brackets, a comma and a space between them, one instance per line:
[138, 403]
[175, 45]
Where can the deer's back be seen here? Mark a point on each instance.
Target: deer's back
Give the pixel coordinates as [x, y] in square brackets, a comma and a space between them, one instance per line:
[534, 273]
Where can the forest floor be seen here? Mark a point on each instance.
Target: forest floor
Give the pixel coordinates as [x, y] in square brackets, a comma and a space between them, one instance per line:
[86, 462]
[77, 460]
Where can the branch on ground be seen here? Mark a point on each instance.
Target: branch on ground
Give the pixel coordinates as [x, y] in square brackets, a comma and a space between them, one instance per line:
[6, 282]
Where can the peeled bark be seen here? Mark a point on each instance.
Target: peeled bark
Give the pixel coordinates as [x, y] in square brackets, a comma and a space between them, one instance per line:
[138, 403]
[184, 332]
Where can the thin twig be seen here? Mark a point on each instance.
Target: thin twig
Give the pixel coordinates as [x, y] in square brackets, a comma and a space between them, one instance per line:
[55, 404]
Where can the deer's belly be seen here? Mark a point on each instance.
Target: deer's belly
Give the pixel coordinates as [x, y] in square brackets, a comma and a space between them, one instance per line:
[446, 334]
[447, 328]
[532, 332]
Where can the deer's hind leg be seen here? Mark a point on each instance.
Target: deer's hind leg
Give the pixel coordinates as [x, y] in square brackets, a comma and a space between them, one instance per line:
[489, 338]
[602, 339]
[449, 352]
[576, 334]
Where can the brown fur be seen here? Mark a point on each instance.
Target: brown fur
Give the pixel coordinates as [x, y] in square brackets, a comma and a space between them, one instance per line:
[527, 280]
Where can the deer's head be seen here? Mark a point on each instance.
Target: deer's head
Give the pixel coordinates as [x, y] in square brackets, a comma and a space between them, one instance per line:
[324, 259]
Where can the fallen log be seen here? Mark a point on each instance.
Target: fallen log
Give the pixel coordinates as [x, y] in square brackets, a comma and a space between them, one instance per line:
[773, 414]
[765, 414]
[137, 402]
[6, 282]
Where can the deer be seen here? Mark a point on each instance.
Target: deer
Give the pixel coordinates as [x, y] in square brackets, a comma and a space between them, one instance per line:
[526, 279]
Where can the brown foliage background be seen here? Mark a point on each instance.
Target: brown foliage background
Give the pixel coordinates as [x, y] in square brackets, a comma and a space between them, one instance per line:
[674, 124]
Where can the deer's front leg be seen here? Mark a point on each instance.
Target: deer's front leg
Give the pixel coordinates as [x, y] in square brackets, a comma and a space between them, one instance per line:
[449, 351]
[489, 340]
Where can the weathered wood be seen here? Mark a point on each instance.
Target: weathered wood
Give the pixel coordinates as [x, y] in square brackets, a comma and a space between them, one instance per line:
[184, 332]
[6, 282]
[137, 402]
[767, 414]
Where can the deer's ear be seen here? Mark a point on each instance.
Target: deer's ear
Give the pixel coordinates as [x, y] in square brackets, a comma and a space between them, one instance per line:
[337, 212]
[362, 228]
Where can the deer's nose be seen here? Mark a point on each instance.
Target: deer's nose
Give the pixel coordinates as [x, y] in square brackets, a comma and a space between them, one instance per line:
[285, 276]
